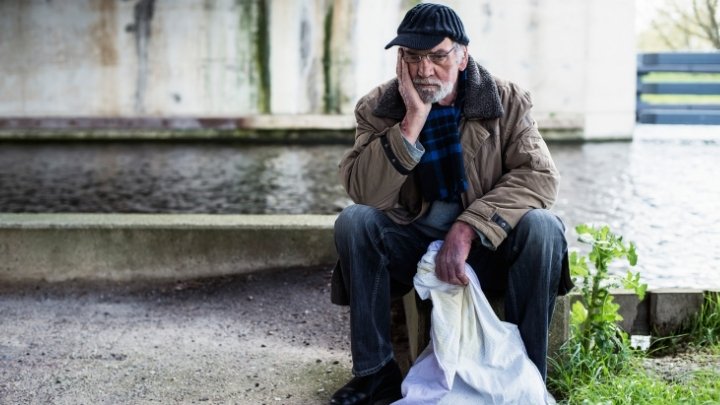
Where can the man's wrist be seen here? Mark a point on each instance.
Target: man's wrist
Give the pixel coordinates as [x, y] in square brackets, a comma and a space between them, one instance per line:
[465, 230]
[411, 126]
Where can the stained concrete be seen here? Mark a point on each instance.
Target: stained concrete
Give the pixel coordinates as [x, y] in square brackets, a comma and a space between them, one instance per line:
[671, 307]
[123, 247]
[235, 58]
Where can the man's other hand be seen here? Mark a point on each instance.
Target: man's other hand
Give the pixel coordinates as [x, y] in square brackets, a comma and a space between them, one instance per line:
[417, 109]
[450, 260]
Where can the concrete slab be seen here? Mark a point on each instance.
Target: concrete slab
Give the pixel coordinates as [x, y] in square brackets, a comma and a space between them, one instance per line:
[669, 308]
[635, 313]
[57, 247]
[559, 331]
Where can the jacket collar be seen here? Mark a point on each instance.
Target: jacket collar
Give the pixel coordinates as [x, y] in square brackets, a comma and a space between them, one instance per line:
[482, 100]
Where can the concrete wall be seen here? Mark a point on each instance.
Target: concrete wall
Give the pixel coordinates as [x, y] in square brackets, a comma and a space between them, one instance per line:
[242, 57]
[123, 247]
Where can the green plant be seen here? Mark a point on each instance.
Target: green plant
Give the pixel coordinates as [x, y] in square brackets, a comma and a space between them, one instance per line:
[637, 386]
[597, 346]
[704, 327]
[699, 330]
[593, 318]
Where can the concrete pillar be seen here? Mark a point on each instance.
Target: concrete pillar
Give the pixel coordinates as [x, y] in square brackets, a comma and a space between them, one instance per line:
[611, 69]
[376, 25]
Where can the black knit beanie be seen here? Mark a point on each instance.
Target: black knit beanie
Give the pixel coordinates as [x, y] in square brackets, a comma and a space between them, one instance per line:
[426, 25]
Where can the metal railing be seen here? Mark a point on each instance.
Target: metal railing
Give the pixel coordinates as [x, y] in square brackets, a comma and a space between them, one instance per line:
[678, 113]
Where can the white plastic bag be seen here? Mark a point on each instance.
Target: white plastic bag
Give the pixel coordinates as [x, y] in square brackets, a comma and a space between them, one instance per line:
[473, 357]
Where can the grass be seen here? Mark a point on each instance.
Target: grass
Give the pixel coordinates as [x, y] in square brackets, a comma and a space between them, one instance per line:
[703, 329]
[635, 385]
[624, 376]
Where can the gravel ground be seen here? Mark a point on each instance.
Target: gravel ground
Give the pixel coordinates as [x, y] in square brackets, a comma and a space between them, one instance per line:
[678, 367]
[271, 338]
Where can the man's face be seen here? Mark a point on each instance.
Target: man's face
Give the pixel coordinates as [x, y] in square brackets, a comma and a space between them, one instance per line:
[435, 81]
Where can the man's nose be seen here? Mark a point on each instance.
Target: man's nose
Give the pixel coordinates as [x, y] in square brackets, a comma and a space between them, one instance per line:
[425, 68]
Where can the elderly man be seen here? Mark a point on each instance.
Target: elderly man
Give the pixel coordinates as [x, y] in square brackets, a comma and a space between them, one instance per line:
[444, 151]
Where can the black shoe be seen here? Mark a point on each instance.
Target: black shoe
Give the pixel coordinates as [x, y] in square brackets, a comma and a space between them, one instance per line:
[383, 385]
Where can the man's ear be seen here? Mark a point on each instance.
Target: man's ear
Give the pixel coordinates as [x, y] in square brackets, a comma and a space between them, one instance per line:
[464, 61]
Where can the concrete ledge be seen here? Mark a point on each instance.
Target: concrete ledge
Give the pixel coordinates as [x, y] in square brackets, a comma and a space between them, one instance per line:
[257, 128]
[286, 122]
[284, 136]
[57, 247]
[635, 313]
[559, 331]
[669, 308]
[660, 313]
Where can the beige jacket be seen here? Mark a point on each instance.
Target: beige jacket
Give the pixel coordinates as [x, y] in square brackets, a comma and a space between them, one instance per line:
[508, 167]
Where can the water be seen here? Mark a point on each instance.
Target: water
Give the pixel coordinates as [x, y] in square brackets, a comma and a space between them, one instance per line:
[661, 191]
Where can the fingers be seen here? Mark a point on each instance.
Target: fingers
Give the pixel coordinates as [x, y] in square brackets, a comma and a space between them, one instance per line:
[398, 66]
[463, 278]
[451, 272]
[458, 277]
[402, 70]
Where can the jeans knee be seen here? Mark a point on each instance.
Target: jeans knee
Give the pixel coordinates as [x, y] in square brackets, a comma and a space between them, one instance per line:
[356, 219]
[541, 226]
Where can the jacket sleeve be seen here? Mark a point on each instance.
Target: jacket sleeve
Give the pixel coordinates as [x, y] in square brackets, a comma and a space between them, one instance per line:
[530, 179]
[375, 169]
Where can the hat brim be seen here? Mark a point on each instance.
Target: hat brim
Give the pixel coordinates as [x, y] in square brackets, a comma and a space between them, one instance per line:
[416, 41]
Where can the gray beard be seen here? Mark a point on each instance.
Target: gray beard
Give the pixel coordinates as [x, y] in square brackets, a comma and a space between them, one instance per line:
[432, 95]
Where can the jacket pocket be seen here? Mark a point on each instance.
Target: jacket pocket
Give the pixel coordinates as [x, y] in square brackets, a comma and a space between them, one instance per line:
[483, 210]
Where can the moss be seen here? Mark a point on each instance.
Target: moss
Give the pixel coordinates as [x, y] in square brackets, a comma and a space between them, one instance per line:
[262, 55]
[254, 17]
[331, 101]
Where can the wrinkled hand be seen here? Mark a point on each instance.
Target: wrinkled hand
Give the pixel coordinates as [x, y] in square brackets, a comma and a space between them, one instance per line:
[450, 260]
[417, 109]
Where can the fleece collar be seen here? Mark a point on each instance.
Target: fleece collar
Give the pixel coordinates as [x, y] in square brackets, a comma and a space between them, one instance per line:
[482, 100]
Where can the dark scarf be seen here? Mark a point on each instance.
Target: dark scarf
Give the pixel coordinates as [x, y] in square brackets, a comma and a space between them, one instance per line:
[441, 168]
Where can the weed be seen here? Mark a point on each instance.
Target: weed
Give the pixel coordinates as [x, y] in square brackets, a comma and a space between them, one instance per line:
[704, 327]
[597, 347]
[700, 330]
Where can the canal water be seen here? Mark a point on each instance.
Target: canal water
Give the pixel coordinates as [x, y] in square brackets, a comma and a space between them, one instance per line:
[661, 191]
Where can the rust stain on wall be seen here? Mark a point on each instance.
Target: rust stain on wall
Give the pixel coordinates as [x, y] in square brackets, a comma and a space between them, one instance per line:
[105, 32]
[143, 13]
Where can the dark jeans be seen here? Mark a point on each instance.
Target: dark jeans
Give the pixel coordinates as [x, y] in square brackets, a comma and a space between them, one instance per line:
[379, 259]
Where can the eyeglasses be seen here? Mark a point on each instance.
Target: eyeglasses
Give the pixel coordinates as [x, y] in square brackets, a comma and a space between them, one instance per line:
[432, 57]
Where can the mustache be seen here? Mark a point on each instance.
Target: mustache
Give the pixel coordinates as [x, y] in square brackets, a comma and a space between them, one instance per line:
[427, 80]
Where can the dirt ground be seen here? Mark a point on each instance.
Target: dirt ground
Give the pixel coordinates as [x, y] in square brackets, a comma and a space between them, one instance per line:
[270, 338]
[680, 366]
